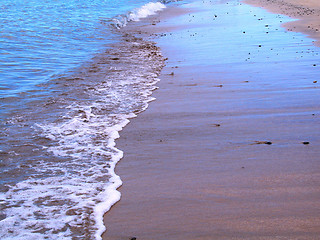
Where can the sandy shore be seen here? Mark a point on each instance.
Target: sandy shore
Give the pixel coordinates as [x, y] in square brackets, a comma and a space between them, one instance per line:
[307, 11]
[230, 148]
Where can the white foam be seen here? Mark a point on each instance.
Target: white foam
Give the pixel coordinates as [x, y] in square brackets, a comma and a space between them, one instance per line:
[146, 10]
[81, 187]
[46, 201]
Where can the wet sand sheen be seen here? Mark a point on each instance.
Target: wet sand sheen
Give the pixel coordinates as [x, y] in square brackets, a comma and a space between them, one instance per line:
[229, 150]
[307, 11]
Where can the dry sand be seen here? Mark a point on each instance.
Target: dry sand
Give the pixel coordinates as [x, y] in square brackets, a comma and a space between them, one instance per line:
[219, 154]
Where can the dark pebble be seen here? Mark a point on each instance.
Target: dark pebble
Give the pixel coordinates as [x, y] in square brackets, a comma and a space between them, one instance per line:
[263, 142]
[306, 143]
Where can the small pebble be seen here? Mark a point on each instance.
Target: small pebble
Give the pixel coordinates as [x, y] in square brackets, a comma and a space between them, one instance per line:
[306, 143]
[263, 142]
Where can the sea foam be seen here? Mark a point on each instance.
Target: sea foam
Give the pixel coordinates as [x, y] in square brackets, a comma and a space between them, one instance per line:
[146, 10]
[74, 183]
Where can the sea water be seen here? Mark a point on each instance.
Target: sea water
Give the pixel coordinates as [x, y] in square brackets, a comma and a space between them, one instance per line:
[69, 82]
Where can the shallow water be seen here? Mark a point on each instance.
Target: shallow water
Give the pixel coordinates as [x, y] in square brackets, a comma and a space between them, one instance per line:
[69, 83]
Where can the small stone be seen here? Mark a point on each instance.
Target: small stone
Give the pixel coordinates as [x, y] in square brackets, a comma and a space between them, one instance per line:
[263, 142]
[134, 238]
[172, 73]
[305, 143]
[315, 81]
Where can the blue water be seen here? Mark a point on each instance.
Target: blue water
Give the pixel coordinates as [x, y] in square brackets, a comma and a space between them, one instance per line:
[42, 39]
[69, 82]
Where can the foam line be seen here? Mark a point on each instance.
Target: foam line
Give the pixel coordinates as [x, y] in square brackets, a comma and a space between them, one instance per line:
[146, 10]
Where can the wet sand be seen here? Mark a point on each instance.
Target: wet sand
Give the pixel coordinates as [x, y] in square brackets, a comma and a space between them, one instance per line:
[230, 148]
[307, 11]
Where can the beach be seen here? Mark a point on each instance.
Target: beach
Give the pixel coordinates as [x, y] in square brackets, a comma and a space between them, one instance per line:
[230, 147]
[307, 13]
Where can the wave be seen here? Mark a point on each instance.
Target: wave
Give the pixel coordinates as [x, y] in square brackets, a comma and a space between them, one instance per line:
[146, 10]
[73, 183]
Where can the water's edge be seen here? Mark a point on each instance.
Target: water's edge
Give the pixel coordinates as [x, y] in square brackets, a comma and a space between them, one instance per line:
[65, 144]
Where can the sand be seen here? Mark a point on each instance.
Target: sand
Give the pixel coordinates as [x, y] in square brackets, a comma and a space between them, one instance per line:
[230, 148]
[307, 11]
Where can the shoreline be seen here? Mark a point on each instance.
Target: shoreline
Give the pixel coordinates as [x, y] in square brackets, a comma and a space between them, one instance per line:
[220, 154]
[307, 15]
